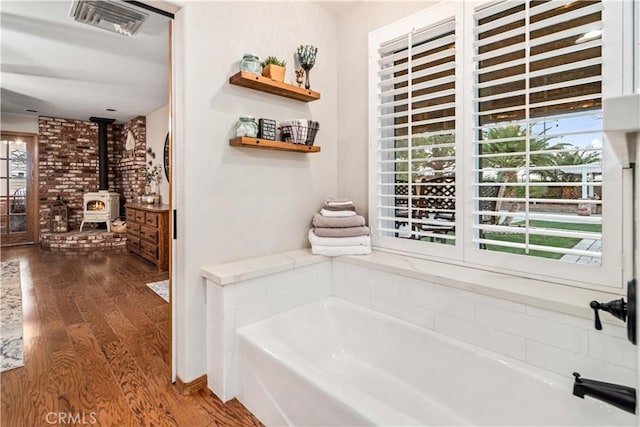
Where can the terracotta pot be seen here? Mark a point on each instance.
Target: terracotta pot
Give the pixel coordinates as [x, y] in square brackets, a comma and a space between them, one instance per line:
[274, 72]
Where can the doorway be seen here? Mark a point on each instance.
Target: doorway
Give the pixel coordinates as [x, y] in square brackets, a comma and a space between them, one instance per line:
[18, 188]
[122, 72]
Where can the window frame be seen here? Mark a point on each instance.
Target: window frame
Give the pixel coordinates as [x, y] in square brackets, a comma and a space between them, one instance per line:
[617, 77]
[434, 15]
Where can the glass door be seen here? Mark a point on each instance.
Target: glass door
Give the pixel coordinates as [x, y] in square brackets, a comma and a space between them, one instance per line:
[17, 213]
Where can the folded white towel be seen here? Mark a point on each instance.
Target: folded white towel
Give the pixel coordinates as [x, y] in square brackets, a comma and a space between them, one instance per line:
[328, 213]
[339, 241]
[340, 250]
[338, 199]
[345, 203]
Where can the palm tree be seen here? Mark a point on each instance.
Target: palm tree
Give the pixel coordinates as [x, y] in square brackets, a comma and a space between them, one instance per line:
[513, 139]
[433, 157]
[574, 158]
[425, 156]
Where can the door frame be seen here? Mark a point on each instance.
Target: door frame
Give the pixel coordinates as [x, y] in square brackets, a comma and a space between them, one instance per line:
[168, 10]
[173, 363]
[32, 234]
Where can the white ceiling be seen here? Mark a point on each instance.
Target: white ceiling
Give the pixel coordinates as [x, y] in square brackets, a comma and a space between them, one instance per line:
[62, 68]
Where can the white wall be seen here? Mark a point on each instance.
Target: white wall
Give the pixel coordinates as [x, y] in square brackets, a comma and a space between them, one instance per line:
[157, 128]
[234, 203]
[354, 25]
[19, 122]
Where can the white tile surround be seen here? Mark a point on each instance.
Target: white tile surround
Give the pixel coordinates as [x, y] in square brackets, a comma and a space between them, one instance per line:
[248, 291]
[554, 341]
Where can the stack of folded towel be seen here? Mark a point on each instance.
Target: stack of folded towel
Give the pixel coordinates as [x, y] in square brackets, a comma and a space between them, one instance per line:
[337, 230]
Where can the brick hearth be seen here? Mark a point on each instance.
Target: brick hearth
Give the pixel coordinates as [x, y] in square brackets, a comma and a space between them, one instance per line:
[94, 239]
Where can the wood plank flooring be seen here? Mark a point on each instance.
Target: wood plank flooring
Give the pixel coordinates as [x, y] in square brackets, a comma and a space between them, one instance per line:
[96, 348]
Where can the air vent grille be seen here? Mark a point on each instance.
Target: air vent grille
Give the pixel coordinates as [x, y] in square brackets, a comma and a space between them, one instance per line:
[108, 15]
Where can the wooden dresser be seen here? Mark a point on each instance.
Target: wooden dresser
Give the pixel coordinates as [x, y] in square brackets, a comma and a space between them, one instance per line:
[148, 232]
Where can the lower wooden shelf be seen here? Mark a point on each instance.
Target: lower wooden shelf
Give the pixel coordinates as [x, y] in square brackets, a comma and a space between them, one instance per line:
[245, 141]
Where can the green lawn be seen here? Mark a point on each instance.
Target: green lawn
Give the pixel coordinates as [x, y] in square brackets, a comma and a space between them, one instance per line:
[557, 242]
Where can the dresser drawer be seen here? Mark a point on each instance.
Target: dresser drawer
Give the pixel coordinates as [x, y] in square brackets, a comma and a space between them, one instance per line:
[133, 244]
[149, 249]
[133, 229]
[148, 233]
[151, 219]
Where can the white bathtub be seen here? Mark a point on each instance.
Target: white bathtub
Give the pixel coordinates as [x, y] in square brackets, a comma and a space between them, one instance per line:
[334, 363]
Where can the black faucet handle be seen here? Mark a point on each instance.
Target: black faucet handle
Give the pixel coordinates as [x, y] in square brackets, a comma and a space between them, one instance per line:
[595, 305]
[577, 377]
[616, 307]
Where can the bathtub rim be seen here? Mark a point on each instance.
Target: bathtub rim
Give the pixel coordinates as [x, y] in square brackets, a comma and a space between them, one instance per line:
[533, 291]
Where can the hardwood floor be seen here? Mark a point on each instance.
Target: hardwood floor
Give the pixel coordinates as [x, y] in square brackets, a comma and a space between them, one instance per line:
[96, 348]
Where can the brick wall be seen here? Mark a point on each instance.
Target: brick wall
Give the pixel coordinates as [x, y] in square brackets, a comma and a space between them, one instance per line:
[68, 163]
[129, 165]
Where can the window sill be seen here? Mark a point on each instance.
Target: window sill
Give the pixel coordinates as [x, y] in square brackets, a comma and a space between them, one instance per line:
[536, 293]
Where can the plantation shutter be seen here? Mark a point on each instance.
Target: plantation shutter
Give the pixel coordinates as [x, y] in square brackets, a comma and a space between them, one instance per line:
[415, 135]
[537, 136]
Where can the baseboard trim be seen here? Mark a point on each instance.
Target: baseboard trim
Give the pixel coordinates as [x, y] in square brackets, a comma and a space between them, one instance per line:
[192, 387]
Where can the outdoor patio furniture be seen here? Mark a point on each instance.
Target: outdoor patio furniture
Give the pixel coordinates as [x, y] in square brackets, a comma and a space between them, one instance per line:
[19, 200]
[436, 205]
[402, 205]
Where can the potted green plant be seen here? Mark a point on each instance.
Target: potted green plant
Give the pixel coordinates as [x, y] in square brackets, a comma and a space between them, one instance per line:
[273, 68]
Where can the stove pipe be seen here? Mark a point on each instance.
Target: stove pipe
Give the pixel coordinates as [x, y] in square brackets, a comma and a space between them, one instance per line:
[103, 155]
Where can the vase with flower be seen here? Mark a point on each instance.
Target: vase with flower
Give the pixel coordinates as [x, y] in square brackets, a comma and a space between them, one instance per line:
[151, 175]
[307, 58]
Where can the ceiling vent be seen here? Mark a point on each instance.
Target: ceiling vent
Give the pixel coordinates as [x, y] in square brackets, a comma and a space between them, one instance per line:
[108, 15]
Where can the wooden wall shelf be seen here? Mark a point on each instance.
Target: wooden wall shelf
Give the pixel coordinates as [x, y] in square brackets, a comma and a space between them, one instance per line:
[272, 145]
[268, 85]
